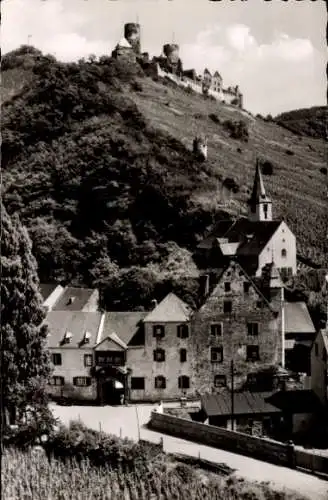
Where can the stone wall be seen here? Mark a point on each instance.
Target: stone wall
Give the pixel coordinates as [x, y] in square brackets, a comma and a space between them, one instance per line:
[246, 307]
[217, 437]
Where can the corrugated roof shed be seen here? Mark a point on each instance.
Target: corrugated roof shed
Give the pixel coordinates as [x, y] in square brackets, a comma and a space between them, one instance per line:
[170, 309]
[77, 323]
[73, 299]
[245, 403]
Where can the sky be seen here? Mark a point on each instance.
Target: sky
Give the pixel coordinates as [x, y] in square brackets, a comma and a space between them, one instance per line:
[274, 50]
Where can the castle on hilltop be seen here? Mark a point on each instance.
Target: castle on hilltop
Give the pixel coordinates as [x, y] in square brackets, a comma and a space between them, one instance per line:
[169, 64]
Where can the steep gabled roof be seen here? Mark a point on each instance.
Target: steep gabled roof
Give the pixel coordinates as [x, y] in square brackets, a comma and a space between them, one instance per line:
[252, 235]
[258, 193]
[75, 322]
[73, 299]
[169, 309]
[125, 325]
[297, 318]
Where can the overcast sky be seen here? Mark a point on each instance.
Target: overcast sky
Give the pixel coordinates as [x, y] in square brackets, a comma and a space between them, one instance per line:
[275, 51]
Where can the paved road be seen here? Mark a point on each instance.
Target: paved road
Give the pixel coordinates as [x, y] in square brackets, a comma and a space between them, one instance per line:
[123, 421]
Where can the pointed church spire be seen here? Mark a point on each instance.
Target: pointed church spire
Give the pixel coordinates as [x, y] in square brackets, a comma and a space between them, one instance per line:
[260, 204]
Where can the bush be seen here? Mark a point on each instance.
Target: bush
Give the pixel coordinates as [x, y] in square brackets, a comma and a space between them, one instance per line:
[214, 118]
[189, 90]
[238, 129]
[231, 184]
[136, 86]
[267, 168]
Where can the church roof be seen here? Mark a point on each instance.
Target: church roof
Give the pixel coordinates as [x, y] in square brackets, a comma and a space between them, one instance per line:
[251, 236]
[258, 193]
[169, 309]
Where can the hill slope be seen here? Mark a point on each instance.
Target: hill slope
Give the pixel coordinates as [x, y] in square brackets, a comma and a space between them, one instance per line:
[97, 161]
[310, 122]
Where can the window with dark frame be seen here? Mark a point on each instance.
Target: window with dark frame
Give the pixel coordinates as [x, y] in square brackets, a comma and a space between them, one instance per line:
[56, 380]
[183, 382]
[88, 360]
[183, 355]
[227, 286]
[252, 353]
[217, 354]
[227, 306]
[56, 359]
[159, 355]
[160, 382]
[183, 331]
[284, 252]
[217, 329]
[138, 383]
[81, 381]
[252, 329]
[220, 381]
[158, 331]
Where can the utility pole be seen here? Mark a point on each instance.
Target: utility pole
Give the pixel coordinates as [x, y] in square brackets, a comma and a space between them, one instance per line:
[232, 369]
[29, 39]
[282, 327]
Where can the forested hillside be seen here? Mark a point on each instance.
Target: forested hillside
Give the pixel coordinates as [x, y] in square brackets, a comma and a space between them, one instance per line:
[97, 161]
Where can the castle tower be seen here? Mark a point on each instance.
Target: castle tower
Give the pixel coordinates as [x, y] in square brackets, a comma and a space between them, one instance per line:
[132, 34]
[260, 205]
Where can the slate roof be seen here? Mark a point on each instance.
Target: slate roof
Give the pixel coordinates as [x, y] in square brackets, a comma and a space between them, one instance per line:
[245, 403]
[297, 318]
[126, 325]
[296, 401]
[77, 323]
[46, 289]
[171, 308]
[252, 235]
[81, 297]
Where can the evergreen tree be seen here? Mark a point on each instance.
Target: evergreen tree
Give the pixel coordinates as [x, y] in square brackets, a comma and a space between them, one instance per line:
[25, 366]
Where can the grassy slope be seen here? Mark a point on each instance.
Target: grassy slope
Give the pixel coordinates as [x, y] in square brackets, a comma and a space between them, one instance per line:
[298, 188]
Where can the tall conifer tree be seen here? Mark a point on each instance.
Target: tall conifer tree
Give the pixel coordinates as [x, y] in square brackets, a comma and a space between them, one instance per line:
[25, 365]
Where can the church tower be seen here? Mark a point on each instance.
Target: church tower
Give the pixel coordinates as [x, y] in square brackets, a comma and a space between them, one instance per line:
[260, 205]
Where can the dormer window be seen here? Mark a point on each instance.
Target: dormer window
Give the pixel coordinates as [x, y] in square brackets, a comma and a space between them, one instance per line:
[70, 301]
[87, 337]
[68, 337]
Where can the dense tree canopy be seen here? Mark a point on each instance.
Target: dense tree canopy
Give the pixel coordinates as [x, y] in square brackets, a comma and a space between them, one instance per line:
[25, 364]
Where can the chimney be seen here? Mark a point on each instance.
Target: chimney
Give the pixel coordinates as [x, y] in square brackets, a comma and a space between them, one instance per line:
[154, 303]
[205, 285]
